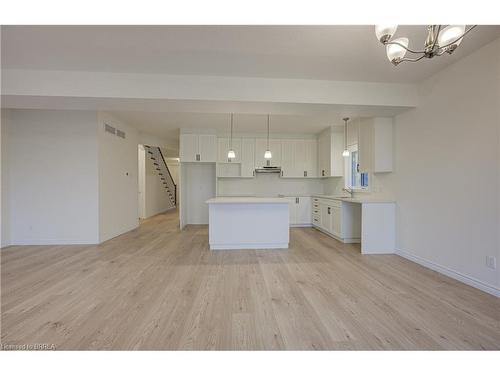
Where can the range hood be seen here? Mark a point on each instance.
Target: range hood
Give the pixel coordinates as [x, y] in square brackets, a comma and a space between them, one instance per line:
[268, 170]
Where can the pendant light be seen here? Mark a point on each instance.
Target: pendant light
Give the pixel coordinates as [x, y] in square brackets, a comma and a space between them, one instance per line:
[231, 154]
[346, 151]
[267, 154]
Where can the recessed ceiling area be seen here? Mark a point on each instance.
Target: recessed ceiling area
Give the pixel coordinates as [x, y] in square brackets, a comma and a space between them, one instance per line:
[345, 53]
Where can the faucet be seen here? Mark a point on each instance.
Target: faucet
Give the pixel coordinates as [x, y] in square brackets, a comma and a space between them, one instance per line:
[350, 191]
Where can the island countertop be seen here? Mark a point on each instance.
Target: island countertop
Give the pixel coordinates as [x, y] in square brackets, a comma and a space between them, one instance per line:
[239, 200]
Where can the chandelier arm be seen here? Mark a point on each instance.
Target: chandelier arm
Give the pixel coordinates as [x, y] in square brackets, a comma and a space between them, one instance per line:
[436, 37]
[406, 48]
[412, 60]
[460, 37]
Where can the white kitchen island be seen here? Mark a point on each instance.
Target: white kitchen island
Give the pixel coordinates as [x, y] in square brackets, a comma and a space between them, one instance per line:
[248, 223]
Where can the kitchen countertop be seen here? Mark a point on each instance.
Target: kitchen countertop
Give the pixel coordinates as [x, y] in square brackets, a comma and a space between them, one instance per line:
[356, 200]
[257, 200]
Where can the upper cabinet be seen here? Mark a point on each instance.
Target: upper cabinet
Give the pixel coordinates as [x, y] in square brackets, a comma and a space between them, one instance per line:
[330, 148]
[299, 157]
[375, 145]
[198, 148]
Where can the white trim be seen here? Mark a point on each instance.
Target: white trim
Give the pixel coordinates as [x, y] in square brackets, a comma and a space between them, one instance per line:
[471, 281]
[343, 240]
[262, 246]
[301, 225]
[48, 241]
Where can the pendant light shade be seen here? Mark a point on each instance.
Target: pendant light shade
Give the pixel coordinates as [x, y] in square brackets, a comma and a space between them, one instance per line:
[450, 35]
[396, 52]
[267, 154]
[231, 154]
[346, 151]
[384, 33]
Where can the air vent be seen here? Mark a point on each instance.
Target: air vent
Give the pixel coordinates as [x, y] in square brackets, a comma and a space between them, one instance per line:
[120, 133]
[109, 129]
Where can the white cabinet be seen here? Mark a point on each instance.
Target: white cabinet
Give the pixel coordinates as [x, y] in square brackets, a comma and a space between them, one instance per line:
[375, 145]
[299, 158]
[311, 158]
[223, 147]
[208, 147]
[300, 210]
[329, 214]
[247, 157]
[198, 148]
[330, 148]
[260, 149]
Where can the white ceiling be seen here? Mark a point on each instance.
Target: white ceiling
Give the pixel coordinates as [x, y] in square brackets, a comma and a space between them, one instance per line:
[349, 53]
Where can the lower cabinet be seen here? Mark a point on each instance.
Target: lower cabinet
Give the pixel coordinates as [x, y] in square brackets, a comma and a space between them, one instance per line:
[327, 216]
[300, 210]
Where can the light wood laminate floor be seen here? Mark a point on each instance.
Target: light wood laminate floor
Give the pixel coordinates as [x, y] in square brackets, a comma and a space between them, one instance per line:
[159, 288]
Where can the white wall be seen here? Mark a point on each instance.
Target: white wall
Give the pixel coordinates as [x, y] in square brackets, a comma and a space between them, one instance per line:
[197, 186]
[4, 202]
[118, 179]
[50, 193]
[268, 185]
[447, 165]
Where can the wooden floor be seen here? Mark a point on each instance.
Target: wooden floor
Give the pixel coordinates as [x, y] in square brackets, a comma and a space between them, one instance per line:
[159, 288]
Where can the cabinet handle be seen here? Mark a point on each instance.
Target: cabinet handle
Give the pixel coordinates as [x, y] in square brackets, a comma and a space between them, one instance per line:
[253, 172]
[198, 158]
[297, 200]
[281, 173]
[323, 173]
[305, 173]
[328, 210]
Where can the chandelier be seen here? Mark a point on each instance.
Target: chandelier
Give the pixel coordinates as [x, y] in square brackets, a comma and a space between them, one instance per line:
[439, 40]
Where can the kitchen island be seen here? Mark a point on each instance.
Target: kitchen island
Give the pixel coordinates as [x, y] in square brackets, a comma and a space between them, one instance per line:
[248, 223]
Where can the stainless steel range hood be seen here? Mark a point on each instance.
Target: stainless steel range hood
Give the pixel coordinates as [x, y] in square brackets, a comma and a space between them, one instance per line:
[268, 170]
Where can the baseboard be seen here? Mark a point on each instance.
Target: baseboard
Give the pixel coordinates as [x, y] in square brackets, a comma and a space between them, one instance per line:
[48, 241]
[107, 237]
[471, 281]
[258, 246]
[300, 225]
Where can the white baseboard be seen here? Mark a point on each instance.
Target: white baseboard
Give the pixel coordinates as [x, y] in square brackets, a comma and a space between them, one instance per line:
[471, 281]
[48, 241]
[262, 246]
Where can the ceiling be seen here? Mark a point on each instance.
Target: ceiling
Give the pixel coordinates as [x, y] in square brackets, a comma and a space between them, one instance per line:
[348, 53]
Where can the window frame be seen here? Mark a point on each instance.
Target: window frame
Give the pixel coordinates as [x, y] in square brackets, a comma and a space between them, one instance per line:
[348, 173]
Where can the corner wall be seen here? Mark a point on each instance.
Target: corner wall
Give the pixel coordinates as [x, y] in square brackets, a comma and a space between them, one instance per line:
[118, 179]
[447, 171]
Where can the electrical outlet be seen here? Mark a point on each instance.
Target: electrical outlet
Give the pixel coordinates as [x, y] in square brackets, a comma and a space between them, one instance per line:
[491, 262]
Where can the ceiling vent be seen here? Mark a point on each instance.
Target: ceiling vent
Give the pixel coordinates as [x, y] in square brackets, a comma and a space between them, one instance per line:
[109, 129]
[120, 133]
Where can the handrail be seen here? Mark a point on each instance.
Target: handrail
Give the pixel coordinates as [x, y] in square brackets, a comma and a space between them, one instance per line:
[170, 175]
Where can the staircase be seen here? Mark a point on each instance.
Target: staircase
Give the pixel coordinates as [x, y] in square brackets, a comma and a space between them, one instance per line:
[154, 153]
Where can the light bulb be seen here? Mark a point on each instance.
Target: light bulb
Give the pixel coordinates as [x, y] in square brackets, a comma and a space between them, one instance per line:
[384, 33]
[396, 52]
[231, 154]
[449, 34]
[345, 154]
[267, 154]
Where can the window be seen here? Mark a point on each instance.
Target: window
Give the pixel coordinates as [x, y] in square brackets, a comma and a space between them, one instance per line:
[354, 179]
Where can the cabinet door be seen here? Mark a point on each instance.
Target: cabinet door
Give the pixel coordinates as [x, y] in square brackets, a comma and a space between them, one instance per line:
[292, 207]
[337, 148]
[208, 147]
[188, 147]
[324, 151]
[336, 225]
[288, 150]
[300, 162]
[275, 146]
[304, 210]
[222, 149]
[365, 150]
[311, 157]
[247, 157]
[324, 216]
